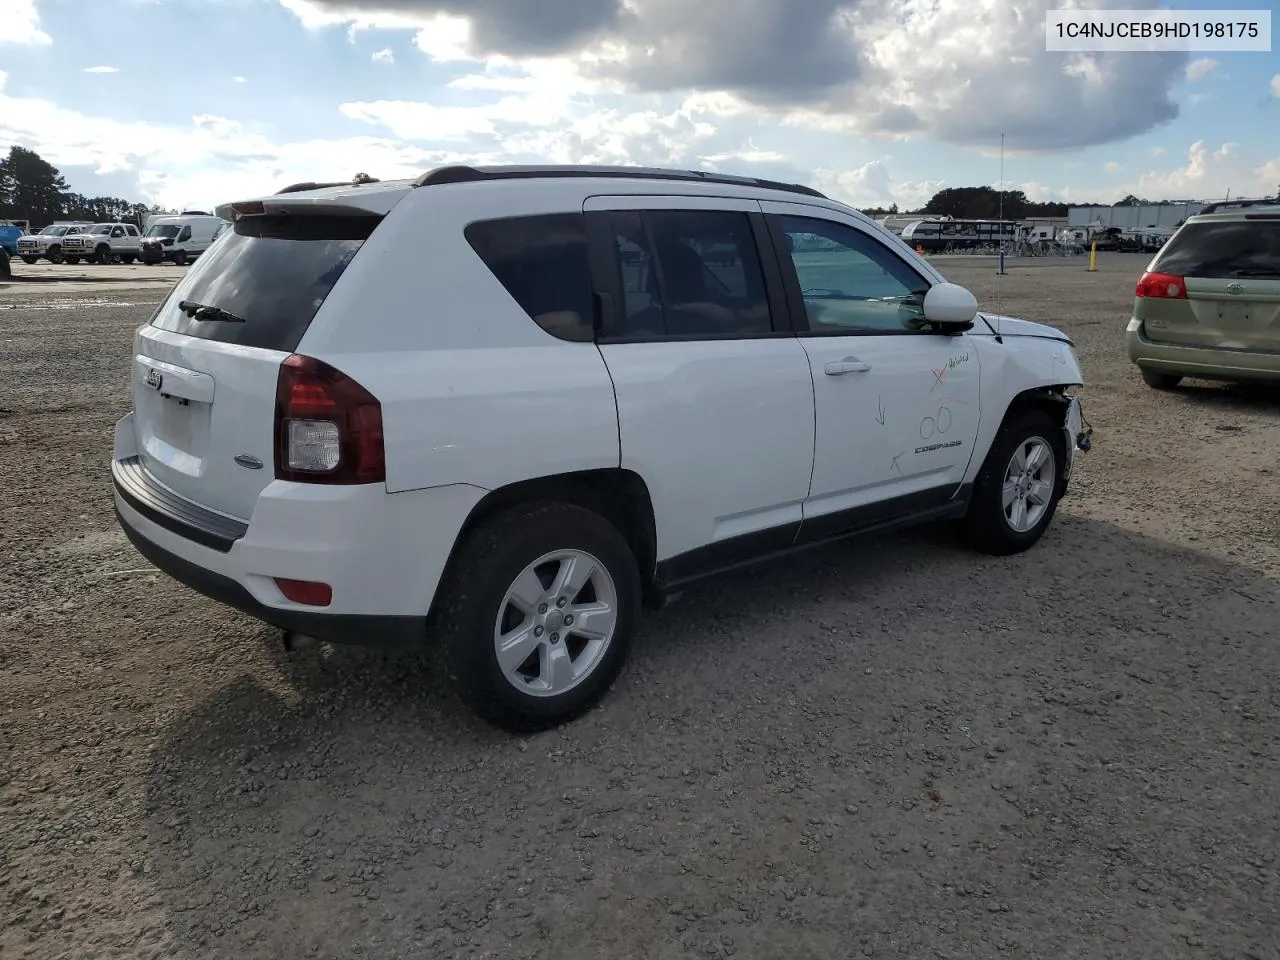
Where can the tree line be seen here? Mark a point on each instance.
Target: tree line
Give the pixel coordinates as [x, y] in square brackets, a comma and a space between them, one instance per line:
[988, 203]
[34, 190]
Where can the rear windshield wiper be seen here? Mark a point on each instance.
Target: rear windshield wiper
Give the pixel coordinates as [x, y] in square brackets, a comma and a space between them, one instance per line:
[200, 311]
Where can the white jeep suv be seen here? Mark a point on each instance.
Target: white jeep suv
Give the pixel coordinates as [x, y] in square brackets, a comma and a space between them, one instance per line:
[507, 407]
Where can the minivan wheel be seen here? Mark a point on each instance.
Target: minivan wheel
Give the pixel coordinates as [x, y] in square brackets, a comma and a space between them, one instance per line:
[1018, 488]
[1160, 381]
[537, 613]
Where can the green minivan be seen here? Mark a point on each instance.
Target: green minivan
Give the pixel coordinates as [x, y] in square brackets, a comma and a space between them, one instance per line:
[1208, 305]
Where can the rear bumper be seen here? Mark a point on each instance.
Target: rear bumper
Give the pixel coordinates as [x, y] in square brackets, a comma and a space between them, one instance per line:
[1208, 363]
[382, 554]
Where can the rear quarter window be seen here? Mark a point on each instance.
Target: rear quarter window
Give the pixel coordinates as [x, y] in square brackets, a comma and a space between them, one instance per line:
[543, 263]
[273, 272]
[1223, 249]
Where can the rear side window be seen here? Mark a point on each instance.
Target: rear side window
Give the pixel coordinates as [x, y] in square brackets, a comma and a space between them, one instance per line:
[1240, 248]
[690, 274]
[271, 272]
[542, 261]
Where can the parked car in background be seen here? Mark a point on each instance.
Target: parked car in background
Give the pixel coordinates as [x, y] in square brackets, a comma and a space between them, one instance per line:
[505, 407]
[103, 243]
[10, 234]
[1208, 304]
[47, 244]
[179, 239]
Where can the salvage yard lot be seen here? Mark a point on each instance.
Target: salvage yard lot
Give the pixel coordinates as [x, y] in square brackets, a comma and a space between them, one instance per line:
[884, 748]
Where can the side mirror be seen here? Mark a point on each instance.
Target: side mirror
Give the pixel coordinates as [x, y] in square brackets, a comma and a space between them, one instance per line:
[950, 307]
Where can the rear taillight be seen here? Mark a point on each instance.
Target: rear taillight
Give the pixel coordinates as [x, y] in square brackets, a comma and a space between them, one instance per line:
[328, 427]
[1161, 286]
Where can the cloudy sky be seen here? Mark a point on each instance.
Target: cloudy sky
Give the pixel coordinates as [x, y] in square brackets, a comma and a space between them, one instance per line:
[190, 102]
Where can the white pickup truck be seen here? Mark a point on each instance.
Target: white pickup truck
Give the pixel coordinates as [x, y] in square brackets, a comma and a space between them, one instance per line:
[103, 243]
[48, 242]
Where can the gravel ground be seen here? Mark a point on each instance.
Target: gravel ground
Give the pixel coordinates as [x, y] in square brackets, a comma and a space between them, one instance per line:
[896, 748]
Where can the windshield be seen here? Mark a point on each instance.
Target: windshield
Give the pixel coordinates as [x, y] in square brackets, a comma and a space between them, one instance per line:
[163, 230]
[54, 231]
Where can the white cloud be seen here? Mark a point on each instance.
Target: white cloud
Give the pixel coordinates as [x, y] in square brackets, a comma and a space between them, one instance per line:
[1201, 68]
[208, 161]
[239, 79]
[821, 64]
[20, 24]
[1275, 86]
[385, 55]
[872, 185]
[1155, 151]
[1112, 167]
[1208, 174]
[101, 69]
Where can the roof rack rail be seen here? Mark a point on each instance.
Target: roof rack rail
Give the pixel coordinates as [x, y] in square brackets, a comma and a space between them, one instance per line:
[465, 174]
[1225, 204]
[357, 180]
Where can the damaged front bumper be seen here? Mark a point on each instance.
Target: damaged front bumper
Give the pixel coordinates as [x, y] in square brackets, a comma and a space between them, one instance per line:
[1079, 435]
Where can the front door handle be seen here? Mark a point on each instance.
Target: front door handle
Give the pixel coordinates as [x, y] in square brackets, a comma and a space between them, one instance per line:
[838, 368]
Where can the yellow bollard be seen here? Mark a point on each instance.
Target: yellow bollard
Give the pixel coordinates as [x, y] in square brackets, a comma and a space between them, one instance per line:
[1093, 257]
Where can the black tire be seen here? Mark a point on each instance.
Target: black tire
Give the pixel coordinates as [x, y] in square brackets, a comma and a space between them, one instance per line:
[31, 261]
[54, 254]
[127, 259]
[180, 258]
[470, 601]
[1160, 381]
[71, 260]
[985, 526]
[102, 255]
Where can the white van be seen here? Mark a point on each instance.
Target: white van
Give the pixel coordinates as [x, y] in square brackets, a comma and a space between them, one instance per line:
[178, 239]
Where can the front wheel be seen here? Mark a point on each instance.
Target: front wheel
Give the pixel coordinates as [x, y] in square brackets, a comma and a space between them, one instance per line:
[71, 260]
[54, 255]
[1019, 485]
[31, 261]
[102, 255]
[537, 613]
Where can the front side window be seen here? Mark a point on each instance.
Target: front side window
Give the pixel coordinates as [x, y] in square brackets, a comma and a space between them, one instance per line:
[184, 235]
[543, 263]
[688, 274]
[850, 282]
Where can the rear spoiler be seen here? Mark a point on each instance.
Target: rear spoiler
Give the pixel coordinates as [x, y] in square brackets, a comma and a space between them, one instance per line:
[361, 197]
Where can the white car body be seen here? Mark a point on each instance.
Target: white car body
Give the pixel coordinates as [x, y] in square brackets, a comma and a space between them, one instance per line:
[38, 245]
[179, 239]
[103, 242]
[722, 450]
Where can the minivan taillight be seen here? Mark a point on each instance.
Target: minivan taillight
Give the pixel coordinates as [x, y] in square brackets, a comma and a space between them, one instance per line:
[328, 428]
[1161, 286]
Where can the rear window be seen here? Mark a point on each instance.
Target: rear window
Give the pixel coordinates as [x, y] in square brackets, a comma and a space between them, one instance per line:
[273, 273]
[1239, 248]
[542, 261]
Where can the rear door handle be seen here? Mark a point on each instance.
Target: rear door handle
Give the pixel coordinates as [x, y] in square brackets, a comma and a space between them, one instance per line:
[837, 368]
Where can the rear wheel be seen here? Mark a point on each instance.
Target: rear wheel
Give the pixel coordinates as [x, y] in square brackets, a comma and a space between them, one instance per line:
[1160, 381]
[180, 258]
[1018, 488]
[536, 614]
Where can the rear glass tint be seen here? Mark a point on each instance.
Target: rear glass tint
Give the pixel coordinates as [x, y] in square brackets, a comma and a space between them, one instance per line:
[274, 273]
[542, 262]
[1223, 250]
